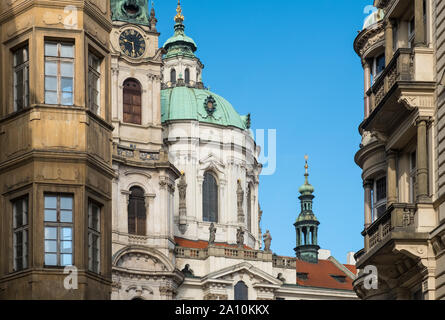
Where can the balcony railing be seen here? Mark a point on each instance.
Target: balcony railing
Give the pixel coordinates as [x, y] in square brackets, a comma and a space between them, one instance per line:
[398, 217]
[220, 251]
[398, 69]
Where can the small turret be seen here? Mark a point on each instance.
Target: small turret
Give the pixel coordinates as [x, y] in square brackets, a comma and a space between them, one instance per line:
[307, 224]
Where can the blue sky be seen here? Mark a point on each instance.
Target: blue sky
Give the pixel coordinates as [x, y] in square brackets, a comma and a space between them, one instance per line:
[292, 65]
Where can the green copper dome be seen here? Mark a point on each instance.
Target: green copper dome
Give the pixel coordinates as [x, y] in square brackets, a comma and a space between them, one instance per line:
[184, 103]
[306, 188]
[180, 44]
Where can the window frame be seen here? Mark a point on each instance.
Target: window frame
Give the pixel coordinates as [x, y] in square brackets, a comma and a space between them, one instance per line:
[95, 107]
[124, 89]
[59, 60]
[137, 216]
[24, 229]
[216, 220]
[173, 76]
[236, 294]
[379, 203]
[23, 68]
[59, 226]
[93, 232]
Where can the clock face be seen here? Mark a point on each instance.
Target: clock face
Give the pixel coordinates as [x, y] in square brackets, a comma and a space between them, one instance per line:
[132, 43]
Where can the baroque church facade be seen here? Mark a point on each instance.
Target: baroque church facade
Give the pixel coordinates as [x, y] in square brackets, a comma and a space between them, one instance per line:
[160, 200]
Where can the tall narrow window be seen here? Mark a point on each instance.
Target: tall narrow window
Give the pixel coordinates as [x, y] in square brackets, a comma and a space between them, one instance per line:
[380, 197]
[20, 237]
[187, 76]
[21, 78]
[58, 230]
[94, 237]
[411, 32]
[173, 76]
[241, 291]
[413, 176]
[94, 83]
[59, 73]
[249, 208]
[132, 102]
[137, 215]
[210, 198]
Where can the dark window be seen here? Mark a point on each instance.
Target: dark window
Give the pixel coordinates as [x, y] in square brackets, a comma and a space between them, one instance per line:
[173, 76]
[210, 198]
[381, 189]
[94, 211]
[21, 78]
[136, 212]
[187, 76]
[302, 276]
[380, 64]
[341, 279]
[20, 230]
[241, 291]
[132, 102]
[58, 230]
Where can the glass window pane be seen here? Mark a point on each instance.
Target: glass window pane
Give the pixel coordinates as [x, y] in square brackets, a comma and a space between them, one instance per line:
[66, 203]
[66, 247]
[50, 97]
[50, 259]
[51, 83]
[50, 233]
[67, 69]
[66, 216]
[51, 49]
[66, 234]
[67, 51]
[67, 84]
[67, 98]
[50, 246]
[50, 202]
[51, 68]
[51, 215]
[66, 259]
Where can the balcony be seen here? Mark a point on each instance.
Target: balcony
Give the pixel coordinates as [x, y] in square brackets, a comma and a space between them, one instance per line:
[399, 217]
[402, 87]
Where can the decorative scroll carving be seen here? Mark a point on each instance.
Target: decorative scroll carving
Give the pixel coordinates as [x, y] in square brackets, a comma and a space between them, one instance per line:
[182, 187]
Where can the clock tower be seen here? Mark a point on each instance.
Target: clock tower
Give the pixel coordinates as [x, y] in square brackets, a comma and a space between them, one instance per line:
[143, 190]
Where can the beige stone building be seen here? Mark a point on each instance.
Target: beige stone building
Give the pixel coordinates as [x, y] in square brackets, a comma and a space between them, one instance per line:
[402, 48]
[55, 148]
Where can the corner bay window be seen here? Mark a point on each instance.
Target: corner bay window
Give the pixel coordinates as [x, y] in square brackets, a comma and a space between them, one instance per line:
[20, 233]
[94, 83]
[59, 73]
[21, 78]
[378, 65]
[58, 217]
[94, 237]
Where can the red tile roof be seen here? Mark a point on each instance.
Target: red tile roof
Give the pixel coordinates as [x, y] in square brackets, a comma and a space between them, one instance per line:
[320, 275]
[200, 244]
[352, 268]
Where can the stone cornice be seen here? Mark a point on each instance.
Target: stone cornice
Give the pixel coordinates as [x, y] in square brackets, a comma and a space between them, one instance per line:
[368, 37]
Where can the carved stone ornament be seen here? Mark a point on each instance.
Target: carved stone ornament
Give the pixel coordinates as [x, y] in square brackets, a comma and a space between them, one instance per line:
[267, 241]
[212, 234]
[210, 105]
[240, 237]
[240, 200]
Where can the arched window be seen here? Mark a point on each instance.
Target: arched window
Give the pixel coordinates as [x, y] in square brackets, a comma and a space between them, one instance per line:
[136, 212]
[210, 198]
[173, 76]
[187, 76]
[241, 291]
[132, 102]
[249, 208]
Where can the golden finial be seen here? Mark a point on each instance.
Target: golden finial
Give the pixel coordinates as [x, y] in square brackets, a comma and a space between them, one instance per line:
[182, 172]
[179, 18]
[306, 166]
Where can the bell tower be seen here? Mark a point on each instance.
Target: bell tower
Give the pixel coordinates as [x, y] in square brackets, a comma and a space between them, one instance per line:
[307, 224]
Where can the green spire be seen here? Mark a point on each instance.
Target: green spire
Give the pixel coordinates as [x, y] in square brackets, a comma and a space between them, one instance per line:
[306, 225]
[179, 44]
[132, 11]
